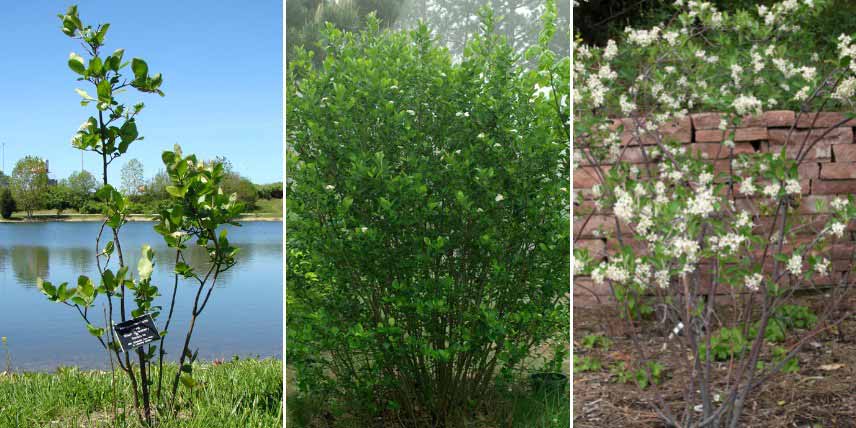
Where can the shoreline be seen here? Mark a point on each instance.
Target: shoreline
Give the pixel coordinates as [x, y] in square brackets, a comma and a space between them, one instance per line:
[133, 218]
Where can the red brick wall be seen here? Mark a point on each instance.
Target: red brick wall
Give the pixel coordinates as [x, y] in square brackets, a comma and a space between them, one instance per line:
[829, 171]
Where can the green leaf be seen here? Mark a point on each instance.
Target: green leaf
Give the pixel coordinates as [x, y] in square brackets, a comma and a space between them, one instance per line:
[105, 91]
[95, 331]
[176, 191]
[145, 266]
[75, 63]
[108, 249]
[83, 94]
[140, 68]
[188, 381]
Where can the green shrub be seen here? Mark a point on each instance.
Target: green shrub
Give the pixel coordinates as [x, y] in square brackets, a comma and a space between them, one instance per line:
[428, 226]
[796, 316]
[7, 203]
[587, 364]
[725, 344]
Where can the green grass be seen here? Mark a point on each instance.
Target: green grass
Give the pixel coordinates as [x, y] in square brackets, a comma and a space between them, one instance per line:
[269, 207]
[515, 407]
[242, 393]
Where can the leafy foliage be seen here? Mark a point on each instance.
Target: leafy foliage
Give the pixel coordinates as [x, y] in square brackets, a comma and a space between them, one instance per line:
[725, 344]
[427, 219]
[29, 180]
[587, 364]
[7, 203]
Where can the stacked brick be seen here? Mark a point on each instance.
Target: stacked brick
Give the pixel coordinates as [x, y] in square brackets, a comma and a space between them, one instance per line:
[828, 171]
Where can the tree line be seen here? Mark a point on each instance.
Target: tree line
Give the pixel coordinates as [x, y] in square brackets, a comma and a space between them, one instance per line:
[28, 188]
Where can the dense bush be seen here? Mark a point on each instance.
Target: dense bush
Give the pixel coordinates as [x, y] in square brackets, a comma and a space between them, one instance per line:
[7, 203]
[428, 227]
[269, 191]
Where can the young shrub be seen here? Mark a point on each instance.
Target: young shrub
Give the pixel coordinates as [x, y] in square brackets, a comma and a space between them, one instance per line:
[427, 218]
[195, 214]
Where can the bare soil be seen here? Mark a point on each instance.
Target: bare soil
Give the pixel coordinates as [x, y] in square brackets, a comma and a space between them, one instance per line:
[821, 394]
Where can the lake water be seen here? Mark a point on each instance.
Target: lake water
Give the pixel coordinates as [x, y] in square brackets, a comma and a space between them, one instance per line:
[243, 316]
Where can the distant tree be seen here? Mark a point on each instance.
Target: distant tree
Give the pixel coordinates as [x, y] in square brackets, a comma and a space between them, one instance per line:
[454, 22]
[132, 177]
[245, 189]
[59, 198]
[270, 191]
[82, 182]
[4, 180]
[305, 20]
[29, 182]
[156, 189]
[235, 183]
[7, 203]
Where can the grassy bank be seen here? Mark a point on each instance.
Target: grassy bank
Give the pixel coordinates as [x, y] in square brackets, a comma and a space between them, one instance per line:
[243, 393]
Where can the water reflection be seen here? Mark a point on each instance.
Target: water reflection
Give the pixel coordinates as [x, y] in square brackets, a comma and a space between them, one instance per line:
[244, 317]
[30, 263]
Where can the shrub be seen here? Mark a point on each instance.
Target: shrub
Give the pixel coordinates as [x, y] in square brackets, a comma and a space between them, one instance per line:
[7, 203]
[688, 228]
[427, 219]
[270, 191]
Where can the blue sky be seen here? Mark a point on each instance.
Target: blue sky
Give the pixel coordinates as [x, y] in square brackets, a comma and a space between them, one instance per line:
[222, 68]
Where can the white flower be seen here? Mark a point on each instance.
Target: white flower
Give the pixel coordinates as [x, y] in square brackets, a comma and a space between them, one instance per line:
[729, 243]
[736, 71]
[540, 92]
[611, 50]
[743, 219]
[627, 106]
[822, 266]
[597, 274]
[837, 229]
[642, 38]
[623, 208]
[845, 89]
[364, 229]
[795, 264]
[685, 246]
[671, 37]
[643, 272]
[702, 204]
[330, 187]
[499, 198]
[746, 104]
[802, 94]
[462, 113]
[662, 278]
[793, 187]
[838, 203]
[616, 273]
[753, 281]
[411, 112]
[771, 190]
[481, 135]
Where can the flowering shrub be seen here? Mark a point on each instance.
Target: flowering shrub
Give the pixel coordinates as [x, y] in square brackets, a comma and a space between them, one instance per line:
[427, 220]
[690, 228]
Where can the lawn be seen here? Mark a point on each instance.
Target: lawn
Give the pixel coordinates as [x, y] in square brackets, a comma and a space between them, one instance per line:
[240, 393]
[268, 207]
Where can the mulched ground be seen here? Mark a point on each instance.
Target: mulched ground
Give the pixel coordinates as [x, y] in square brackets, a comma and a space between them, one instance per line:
[811, 398]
